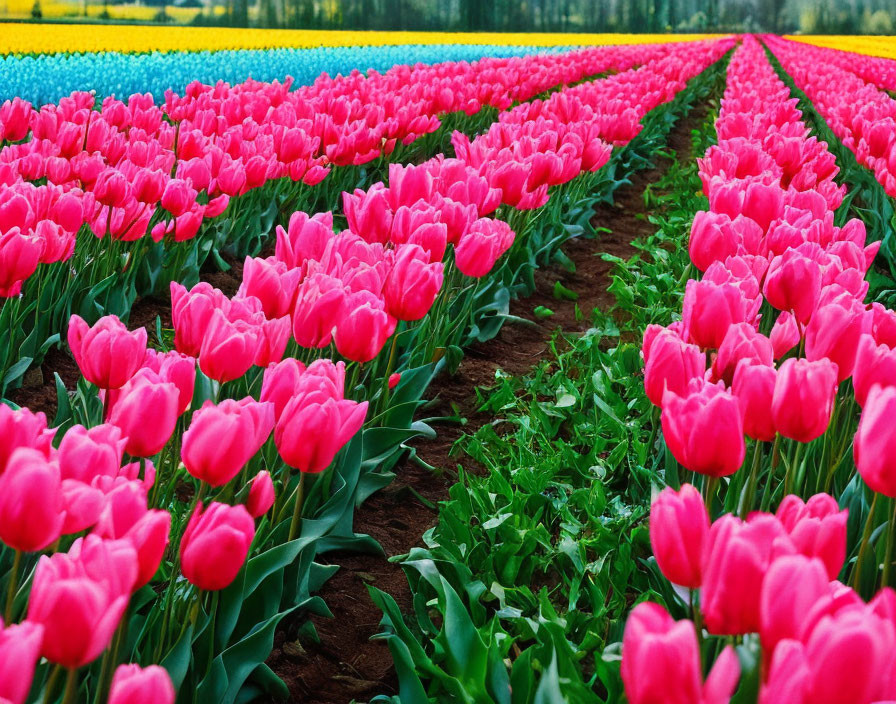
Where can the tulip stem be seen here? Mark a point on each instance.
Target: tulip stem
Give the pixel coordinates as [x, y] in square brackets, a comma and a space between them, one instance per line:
[888, 553]
[11, 589]
[750, 490]
[51, 684]
[297, 512]
[71, 687]
[710, 486]
[698, 625]
[863, 548]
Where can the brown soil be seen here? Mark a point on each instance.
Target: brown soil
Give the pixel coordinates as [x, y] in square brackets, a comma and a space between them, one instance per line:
[346, 665]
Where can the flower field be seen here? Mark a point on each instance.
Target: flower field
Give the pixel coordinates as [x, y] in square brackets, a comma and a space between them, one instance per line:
[446, 368]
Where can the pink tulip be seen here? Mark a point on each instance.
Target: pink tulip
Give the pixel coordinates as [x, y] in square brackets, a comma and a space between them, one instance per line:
[85, 454]
[31, 501]
[107, 354]
[874, 447]
[111, 188]
[22, 428]
[305, 239]
[704, 429]
[412, 284]
[710, 309]
[228, 348]
[19, 257]
[661, 662]
[146, 411]
[834, 333]
[19, 651]
[135, 685]
[215, 545]
[791, 588]
[15, 120]
[803, 399]
[735, 560]
[368, 213]
[223, 438]
[741, 342]
[817, 529]
[670, 364]
[78, 613]
[393, 380]
[149, 536]
[715, 237]
[785, 334]
[314, 427]
[177, 369]
[874, 364]
[679, 524]
[754, 387]
[482, 246]
[261, 495]
[178, 197]
[273, 338]
[191, 313]
[319, 306]
[364, 327]
[793, 283]
[82, 505]
[279, 383]
[272, 283]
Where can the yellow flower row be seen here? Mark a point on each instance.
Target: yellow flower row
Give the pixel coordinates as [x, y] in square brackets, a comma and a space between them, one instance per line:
[871, 46]
[58, 38]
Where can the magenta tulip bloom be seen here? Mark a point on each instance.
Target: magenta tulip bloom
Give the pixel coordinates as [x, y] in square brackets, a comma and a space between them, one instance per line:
[661, 662]
[146, 411]
[793, 283]
[107, 354]
[735, 560]
[754, 387]
[413, 284]
[191, 313]
[305, 239]
[874, 447]
[229, 348]
[834, 332]
[482, 246]
[741, 342]
[31, 501]
[79, 614]
[178, 369]
[19, 651]
[874, 364]
[19, 256]
[817, 529]
[704, 429]
[679, 524]
[22, 428]
[223, 438]
[803, 400]
[364, 327]
[709, 309]
[85, 454]
[215, 545]
[670, 364]
[135, 685]
[261, 495]
[314, 427]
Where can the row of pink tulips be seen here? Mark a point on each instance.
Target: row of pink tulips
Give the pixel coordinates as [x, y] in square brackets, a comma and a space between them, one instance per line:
[859, 113]
[775, 348]
[110, 484]
[114, 167]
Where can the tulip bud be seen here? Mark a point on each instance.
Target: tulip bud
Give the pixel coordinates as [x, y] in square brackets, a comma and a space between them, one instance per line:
[261, 495]
[735, 560]
[709, 309]
[191, 313]
[817, 529]
[19, 651]
[785, 334]
[146, 411]
[661, 662]
[793, 283]
[222, 439]
[834, 333]
[754, 387]
[135, 685]
[228, 348]
[679, 523]
[22, 428]
[413, 284]
[306, 239]
[313, 428]
[31, 503]
[482, 246]
[179, 196]
[85, 454]
[364, 327]
[803, 399]
[79, 614]
[874, 447]
[874, 364]
[704, 429]
[107, 354]
[175, 368]
[215, 545]
[319, 306]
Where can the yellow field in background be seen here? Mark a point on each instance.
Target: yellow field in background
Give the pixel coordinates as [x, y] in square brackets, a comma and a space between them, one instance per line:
[57, 38]
[872, 46]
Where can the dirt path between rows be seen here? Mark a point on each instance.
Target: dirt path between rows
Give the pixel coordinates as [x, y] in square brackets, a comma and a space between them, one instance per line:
[346, 665]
